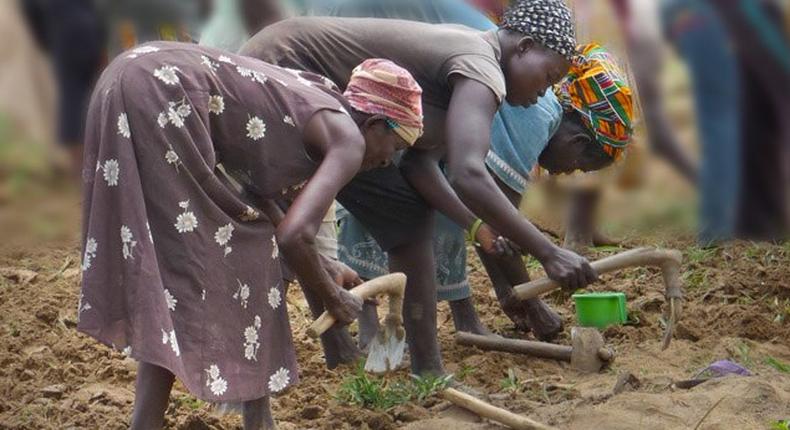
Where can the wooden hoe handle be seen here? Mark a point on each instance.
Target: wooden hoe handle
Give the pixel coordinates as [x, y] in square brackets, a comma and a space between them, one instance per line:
[667, 260]
[393, 285]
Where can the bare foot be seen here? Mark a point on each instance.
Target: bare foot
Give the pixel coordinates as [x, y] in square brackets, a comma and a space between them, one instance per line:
[534, 315]
[465, 317]
[339, 347]
[600, 239]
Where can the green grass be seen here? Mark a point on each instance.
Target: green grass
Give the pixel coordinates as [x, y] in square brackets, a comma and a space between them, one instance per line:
[778, 365]
[380, 394]
[423, 388]
[780, 425]
[189, 402]
[695, 279]
[511, 382]
[608, 248]
[744, 355]
[698, 255]
[465, 371]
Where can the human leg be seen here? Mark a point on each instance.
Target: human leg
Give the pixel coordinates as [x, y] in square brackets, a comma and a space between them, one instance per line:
[257, 414]
[152, 393]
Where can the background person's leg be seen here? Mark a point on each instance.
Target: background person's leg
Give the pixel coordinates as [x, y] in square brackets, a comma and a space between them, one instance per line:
[257, 415]
[703, 42]
[152, 393]
[415, 259]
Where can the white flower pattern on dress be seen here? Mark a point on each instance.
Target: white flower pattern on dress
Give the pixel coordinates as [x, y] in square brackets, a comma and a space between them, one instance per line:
[83, 305]
[170, 300]
[128, 242]
[223, 236]
[244, 72]
[167, 74]
[150, 236]
[145, 49]
[212, 66]
[225, 59]
[112, 171]
[162, 119]
[242, 294]
[123, 126]
[171, 157]
[288, 120]
[90, 253]
[170, 338]
[259, 77]
[249, 214]
[186, 221]
[275, 298]
[279, 380]
[216, 105]
[275, 249]
[215, 382]
[251, 343]
[127, 351]
[183, 110]
[256, 129]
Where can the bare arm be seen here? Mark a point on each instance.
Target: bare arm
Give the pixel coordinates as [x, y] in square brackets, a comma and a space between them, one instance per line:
[646, 57]
[469, 119]
[421, 169]
[343, 151]
[260, 13]
[468, 137]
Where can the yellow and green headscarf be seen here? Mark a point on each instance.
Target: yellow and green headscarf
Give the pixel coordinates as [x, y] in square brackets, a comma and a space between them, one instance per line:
[597, 88]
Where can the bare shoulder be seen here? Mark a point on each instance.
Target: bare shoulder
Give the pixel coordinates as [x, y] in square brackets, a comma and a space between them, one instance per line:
[330, 130]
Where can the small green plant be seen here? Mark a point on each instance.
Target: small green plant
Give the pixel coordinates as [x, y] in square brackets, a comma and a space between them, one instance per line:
[695, 279]
[371, 393]
[744, 354]
[510, 383]
[465, 371]
[778, 365]
[424, 387]
[780, 425]
[698, 255]
[379, 394]
[189, 402]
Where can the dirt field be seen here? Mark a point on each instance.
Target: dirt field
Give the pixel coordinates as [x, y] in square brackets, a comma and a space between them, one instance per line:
[738, 307]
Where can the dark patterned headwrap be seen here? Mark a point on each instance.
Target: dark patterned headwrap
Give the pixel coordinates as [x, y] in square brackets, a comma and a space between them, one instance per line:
[548, 21]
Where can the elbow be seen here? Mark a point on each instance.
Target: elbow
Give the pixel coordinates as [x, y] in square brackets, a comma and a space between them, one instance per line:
[463, 178]
[291, 240]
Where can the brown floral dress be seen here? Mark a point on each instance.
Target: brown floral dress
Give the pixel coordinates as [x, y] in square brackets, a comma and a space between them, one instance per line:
[178, 269]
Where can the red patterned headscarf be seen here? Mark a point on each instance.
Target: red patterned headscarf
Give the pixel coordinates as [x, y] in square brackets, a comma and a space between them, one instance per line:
[381, 87]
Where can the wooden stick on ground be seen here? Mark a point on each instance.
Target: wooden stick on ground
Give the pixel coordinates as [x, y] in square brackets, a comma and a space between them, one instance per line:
[493, 413]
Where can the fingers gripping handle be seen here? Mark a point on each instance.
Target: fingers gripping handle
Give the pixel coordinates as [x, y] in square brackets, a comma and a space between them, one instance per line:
[666, 259]
[393, 285]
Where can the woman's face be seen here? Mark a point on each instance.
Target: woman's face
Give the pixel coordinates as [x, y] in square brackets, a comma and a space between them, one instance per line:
[381, 144]
[531, 71]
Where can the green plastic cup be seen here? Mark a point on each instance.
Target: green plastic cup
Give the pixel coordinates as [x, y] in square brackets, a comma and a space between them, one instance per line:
[600, 309]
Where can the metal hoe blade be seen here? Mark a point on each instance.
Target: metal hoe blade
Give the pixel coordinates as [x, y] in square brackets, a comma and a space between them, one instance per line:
[386, 348]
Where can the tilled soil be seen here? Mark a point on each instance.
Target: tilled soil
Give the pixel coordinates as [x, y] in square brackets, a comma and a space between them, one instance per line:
[737, 308]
